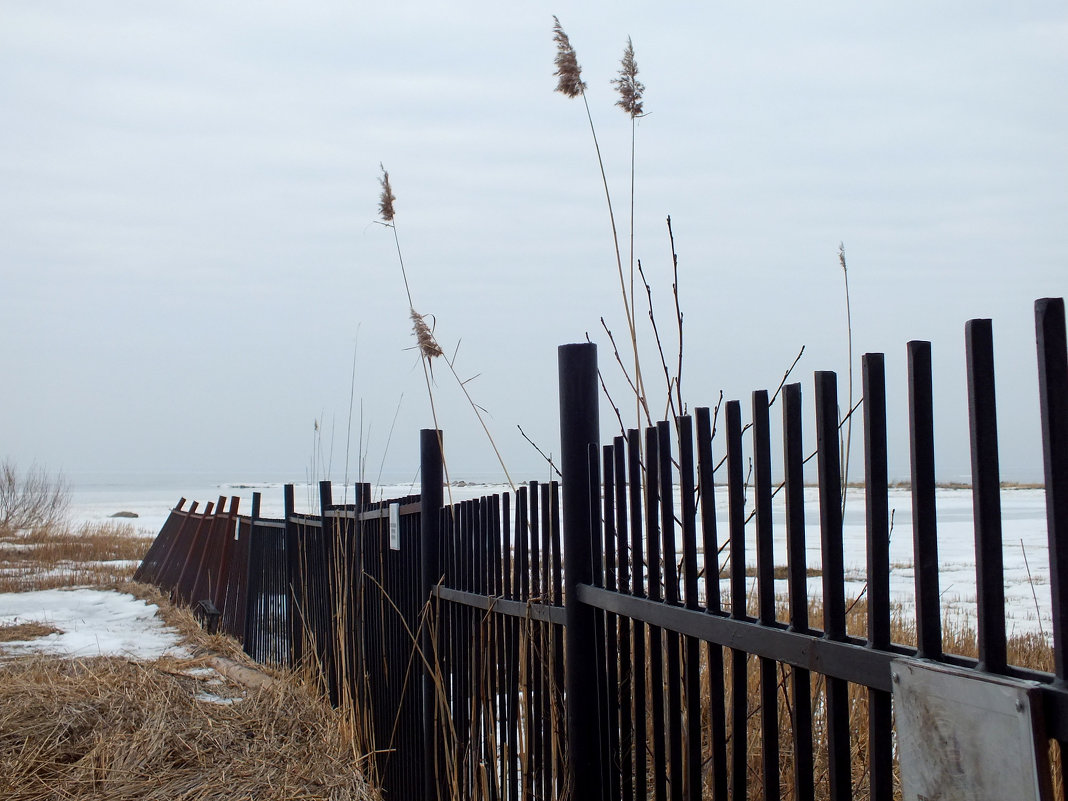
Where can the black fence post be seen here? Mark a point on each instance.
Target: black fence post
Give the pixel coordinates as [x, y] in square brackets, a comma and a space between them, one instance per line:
[295, 574]
[579, 431]
[1053, 405]
[430, 494]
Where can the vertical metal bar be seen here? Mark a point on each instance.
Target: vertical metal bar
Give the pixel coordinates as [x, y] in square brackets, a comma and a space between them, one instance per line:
[511, 658]
[671, 595]
[656, 634]
[713, 653]
[537, 644]
[226, 549]
[637, 576]
[769, 686]
[626, 667]
[547, 526]
[1053, 404]
[330, 586]
[924, 521]
[986, 496]
[688, 509]
[579, 429]
[431, 500]
[834, 623]
[794, 471]
[876, 489]
[615, 780]
[499, 662]
[559, 735]
[739, 659]
[523, 573]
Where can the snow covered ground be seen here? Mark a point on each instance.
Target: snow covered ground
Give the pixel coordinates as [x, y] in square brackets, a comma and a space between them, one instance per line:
[89, 623]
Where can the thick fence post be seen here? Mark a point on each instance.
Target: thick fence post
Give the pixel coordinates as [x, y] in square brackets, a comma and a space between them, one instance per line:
[579, 431]
[431, 500]
[1053, 404]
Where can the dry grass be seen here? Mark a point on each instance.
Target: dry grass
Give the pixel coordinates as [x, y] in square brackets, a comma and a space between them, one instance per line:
[169, 729]
[22, 632]
[98, 554]
[112, 729]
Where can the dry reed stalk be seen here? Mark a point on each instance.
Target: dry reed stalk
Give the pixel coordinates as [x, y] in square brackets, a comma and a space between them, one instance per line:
[570, 84]
[428, 347]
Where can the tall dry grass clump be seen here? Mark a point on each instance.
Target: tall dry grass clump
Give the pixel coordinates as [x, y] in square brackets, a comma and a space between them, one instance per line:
[111, 729]
[43, 558]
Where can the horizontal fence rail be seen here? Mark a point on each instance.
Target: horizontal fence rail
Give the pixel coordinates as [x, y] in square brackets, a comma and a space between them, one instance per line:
[611, 637]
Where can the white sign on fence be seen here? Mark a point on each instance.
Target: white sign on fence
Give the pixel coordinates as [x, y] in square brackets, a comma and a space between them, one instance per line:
[394, 526]
[968, 736]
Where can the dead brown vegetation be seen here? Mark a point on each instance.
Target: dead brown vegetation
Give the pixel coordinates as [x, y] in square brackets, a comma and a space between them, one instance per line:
[108, 728]
[43, 558]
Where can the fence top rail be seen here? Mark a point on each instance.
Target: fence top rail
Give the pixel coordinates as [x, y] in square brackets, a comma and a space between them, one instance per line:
[351, 513]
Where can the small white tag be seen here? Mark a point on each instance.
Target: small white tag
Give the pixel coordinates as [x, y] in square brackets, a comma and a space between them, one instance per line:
[394, 526]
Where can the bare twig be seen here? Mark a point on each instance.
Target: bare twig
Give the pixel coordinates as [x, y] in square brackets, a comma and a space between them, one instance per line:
[1038, 611]
[678, 313]
[786, 376]
[847, 443]
[619, 360]
[659, 344]
[539, 450]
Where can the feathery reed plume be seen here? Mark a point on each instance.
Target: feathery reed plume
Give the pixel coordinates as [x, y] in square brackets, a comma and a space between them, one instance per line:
[630, 100]
[428, 346]
[568, 71]
[570, 83]
[385, 200]
[627, 84]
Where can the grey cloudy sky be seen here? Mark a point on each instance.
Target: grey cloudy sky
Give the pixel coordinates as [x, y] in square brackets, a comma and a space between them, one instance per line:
[188, 193]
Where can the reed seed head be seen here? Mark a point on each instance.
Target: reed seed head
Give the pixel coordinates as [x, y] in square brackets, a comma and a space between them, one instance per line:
[629, 87]
[385, 200]
[428, 346]
[568, 72]
[842, 256]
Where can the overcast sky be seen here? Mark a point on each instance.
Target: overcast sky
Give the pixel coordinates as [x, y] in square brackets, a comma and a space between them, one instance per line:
[188, 196]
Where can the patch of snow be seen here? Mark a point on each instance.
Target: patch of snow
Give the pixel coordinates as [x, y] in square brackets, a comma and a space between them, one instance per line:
[212, 698]
[18, 546]
[90, 623]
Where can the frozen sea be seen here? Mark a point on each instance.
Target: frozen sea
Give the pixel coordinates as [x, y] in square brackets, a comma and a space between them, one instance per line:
[1025, 545]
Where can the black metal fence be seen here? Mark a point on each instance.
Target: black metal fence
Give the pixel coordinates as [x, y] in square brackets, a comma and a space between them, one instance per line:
[528, 646]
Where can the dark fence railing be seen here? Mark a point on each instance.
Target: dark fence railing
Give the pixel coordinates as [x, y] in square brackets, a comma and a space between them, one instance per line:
[577, 641]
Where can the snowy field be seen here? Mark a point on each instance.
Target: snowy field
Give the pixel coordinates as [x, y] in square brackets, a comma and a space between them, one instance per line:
[1026, 551]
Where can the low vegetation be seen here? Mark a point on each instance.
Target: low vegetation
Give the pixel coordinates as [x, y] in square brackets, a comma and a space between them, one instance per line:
[108, 728]
[59, 555]
[211, 726]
